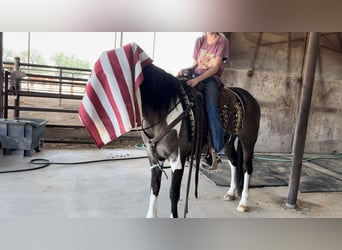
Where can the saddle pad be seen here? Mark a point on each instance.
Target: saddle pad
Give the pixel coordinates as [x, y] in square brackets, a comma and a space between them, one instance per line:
[231, 111]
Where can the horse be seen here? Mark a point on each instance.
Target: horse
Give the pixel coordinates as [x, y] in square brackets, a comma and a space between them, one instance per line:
[168, 132]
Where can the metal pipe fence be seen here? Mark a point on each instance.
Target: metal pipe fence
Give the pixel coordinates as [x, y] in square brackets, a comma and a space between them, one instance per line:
[51, 93]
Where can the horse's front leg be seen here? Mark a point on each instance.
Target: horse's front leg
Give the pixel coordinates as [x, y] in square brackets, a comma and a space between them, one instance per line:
[177, 174]
[175, 191]
[156, 174]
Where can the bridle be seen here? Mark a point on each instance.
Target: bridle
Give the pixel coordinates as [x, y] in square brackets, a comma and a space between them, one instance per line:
[187, 112]
[189, 108]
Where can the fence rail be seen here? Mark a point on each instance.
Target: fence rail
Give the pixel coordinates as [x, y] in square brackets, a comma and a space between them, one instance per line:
[53, 94]
[42, 81]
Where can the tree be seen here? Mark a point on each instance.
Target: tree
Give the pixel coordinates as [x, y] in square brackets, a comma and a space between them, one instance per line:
[8, 55]
[35, 56]
[60, 59]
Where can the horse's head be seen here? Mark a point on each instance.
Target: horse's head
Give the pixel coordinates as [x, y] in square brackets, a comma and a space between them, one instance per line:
[159, 90]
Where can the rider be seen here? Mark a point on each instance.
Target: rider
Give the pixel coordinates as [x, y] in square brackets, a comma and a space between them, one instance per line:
[210, 52]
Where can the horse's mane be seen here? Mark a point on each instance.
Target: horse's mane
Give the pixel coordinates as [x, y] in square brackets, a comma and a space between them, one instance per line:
[159, 91]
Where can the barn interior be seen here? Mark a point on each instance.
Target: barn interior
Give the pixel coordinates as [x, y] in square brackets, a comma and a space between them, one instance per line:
[296, 78]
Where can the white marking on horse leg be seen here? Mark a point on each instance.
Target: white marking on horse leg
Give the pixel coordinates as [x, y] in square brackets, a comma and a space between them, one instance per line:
[175, 165]
[230, 195]
[153, 206]
[243, 206]
[236, 143]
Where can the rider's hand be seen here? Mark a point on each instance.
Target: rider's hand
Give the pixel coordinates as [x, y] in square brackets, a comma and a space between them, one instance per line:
[180, 73]
[193, 82]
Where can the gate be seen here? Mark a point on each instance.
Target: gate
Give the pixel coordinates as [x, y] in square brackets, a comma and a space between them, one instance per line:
[46, 92]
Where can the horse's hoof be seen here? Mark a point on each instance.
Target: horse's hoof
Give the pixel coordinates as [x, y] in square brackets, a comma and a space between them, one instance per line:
[242, 208]
[229, 197]
[151, 216]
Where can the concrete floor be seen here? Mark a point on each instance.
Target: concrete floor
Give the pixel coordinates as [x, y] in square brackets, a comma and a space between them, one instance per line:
[120, 189]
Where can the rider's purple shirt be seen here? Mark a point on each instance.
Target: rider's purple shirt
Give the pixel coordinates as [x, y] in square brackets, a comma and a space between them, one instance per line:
[205, 54]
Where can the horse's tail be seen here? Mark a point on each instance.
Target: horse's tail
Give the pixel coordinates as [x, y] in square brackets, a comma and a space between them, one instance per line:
[239, 168]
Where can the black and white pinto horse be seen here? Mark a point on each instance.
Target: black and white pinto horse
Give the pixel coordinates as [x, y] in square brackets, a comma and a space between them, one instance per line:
[168, 136]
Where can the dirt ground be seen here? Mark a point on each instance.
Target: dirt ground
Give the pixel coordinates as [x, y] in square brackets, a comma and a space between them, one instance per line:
[53, 118]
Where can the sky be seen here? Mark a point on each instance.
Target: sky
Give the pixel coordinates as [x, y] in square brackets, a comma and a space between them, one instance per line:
[171, 51]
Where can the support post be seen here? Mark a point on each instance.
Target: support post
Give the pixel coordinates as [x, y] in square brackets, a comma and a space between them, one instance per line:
[298, 145]
[5, 101]
[17, 88]
[1, 79]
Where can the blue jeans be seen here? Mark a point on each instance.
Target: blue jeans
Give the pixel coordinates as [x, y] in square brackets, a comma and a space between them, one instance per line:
[211, 96]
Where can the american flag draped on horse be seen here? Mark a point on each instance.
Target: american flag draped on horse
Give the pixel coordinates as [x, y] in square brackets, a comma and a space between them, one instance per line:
[111, 105]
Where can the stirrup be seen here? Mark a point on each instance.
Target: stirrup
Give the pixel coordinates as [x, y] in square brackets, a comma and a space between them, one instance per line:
[215, 160]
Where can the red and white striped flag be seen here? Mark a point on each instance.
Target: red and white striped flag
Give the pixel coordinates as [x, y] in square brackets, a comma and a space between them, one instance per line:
[111, 105]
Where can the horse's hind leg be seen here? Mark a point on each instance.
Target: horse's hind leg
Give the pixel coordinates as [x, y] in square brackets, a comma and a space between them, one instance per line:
[232, 159]
[248, 169]
[155, 187]
[230, 195]
[243, 204]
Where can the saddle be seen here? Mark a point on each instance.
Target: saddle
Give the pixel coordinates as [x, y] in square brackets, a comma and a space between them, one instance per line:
[231, 108]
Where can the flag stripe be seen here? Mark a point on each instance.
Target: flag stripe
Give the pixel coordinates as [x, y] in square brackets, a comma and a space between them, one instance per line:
[100, 110]
[90, 125]
[123, 80]
[109, 84]
[97, 94]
